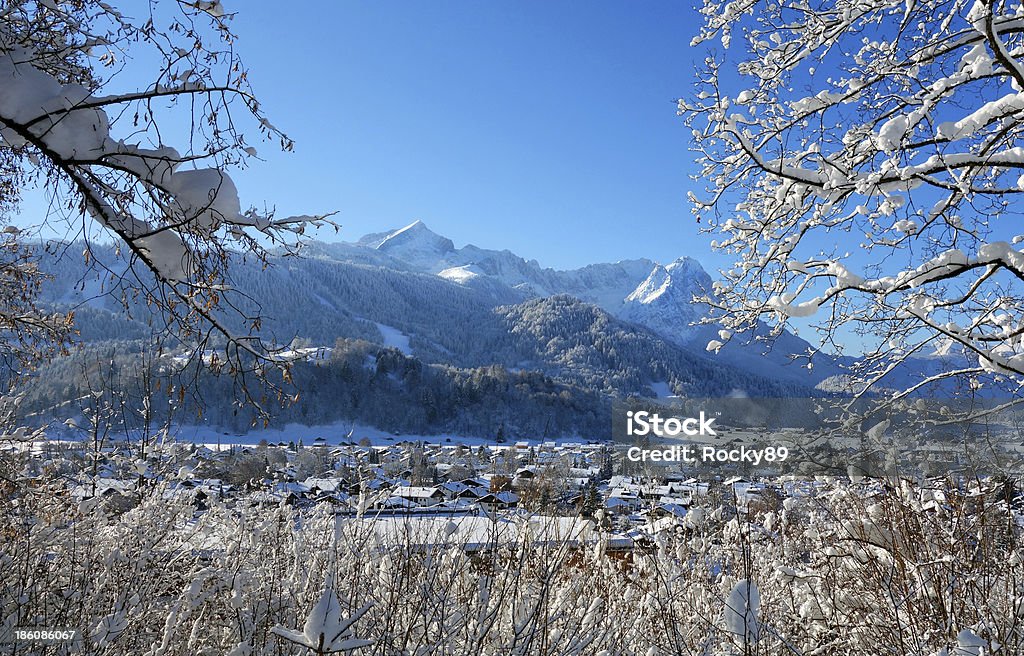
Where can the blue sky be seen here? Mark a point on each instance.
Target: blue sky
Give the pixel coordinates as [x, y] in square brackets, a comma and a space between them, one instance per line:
[547, 128]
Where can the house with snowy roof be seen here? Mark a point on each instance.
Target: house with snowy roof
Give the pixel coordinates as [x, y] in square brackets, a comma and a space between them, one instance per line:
[423, 496]
[101, 487]
[318, 485]
[452, 489]
[397, 503]
[499, 500]
[620, 506]
[472, 493]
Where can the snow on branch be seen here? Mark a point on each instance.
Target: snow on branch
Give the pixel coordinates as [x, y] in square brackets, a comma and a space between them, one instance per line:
[325, 630]
[864, 163]
[176, 212]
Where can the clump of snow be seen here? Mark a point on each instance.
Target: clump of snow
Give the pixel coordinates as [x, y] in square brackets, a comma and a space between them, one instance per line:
[878, 430]
[325, 629]
[1008, 105]
[1001, 251]
[212, 7]
[816, 102]
[979, 15]
[33, 98]
[844, 277]
[968, 643]
[168, 255]
[785, 306]
[976, 61]
[741, 611]
[905, 226]
[892, 133]
[206, 197]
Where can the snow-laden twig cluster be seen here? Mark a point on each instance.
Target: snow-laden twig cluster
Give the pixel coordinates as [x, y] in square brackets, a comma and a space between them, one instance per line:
[102, 155]
[869, 175]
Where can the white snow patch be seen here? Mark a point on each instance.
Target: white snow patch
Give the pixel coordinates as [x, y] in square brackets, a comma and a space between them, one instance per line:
[1008, 105]
[461, 274]
[662, 390]
[784, 305]
[394, 338]
[969, 644]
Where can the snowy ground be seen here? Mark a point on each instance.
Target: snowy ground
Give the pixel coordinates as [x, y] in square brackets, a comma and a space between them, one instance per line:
[336, 433]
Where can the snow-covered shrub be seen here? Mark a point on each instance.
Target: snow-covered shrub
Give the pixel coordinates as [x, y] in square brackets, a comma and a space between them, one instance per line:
[836, 570]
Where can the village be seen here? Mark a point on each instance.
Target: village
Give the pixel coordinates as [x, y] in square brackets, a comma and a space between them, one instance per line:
[426, 520]
[591, 490]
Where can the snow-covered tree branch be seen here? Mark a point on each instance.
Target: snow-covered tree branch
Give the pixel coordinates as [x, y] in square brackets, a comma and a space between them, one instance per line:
[864, 162]
[103, 155]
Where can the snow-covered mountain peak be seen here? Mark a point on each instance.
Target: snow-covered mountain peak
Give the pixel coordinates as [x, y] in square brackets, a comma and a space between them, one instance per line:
[656, 284]
[664, 300]
[415, 236]
[679, 280]
[415, 245]
[665, 291]
[689, 269]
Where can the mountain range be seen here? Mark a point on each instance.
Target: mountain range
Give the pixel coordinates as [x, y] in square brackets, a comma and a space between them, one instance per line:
[462, 323]
[642, 292]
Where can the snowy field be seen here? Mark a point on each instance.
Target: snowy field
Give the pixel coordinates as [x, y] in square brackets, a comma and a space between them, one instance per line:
[334, 434]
